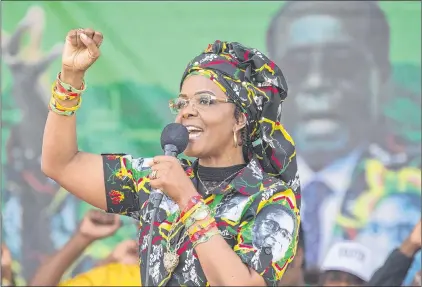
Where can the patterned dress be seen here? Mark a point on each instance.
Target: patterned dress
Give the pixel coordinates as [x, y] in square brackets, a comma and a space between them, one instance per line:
[256, 213]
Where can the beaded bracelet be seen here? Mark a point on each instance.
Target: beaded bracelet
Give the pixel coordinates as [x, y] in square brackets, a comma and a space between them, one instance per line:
[69, 88]
[207, 236]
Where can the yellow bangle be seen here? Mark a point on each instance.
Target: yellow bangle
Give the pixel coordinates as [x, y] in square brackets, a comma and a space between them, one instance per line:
[192, 210]
[197, 226]
[62, 96]
[56, 103]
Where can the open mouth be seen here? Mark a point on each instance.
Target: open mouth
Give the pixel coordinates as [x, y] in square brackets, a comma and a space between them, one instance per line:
[194, 132]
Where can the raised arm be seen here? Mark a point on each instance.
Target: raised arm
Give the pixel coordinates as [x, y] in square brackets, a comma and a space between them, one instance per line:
[78, 172]
[95, 225]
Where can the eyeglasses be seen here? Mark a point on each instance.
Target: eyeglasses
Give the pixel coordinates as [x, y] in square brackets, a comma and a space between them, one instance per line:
[199, 102]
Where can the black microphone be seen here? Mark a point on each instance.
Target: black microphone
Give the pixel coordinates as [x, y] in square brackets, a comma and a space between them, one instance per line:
[174, 140]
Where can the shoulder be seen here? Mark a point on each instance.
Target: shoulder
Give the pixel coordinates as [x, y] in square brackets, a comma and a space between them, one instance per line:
[265, 188]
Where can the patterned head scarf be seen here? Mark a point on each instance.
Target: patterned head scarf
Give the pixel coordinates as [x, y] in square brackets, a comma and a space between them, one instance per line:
[257, 86]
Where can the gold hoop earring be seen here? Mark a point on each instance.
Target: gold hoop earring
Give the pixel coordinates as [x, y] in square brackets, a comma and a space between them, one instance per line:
[236, 144]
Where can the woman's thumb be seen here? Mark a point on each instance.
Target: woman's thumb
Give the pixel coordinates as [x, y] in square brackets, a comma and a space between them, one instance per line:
[93, 50]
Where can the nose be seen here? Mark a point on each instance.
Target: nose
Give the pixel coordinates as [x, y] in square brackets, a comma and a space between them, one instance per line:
[188, 111]
[314, 78]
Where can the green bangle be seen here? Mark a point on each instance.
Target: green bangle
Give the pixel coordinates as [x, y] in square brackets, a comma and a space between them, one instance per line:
[207, 236]
[200, 213]
[69, 88]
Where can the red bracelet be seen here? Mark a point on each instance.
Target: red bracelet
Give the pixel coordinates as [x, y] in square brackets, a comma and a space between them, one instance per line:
[60, 89]
[192, 202]
[197, 235]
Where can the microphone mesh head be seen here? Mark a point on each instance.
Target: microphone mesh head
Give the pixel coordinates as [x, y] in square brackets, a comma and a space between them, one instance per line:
[175, 134]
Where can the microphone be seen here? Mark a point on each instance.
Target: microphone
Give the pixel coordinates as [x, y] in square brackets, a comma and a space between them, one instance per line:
[174, 140]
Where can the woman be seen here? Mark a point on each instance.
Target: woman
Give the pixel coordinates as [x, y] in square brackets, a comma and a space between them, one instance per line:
[230, 101]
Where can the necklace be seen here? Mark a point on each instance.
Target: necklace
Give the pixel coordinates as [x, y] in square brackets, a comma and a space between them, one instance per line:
[207, 191]
[171, 258]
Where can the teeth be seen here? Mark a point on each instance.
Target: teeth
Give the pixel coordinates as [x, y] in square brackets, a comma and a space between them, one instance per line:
[193, 129]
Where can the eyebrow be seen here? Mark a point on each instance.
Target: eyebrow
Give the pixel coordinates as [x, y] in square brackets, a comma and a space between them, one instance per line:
[197, 93]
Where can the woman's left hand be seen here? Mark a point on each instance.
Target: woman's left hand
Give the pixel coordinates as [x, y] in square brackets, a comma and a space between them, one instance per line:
[168, 175]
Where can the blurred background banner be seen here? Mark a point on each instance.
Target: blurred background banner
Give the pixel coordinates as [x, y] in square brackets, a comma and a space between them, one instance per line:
[354, 109]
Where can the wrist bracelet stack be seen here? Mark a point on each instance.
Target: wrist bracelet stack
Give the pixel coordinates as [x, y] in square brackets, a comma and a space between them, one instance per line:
[61, 91]
[196, 217]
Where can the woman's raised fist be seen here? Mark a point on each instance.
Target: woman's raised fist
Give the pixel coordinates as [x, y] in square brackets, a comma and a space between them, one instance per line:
[81, 50]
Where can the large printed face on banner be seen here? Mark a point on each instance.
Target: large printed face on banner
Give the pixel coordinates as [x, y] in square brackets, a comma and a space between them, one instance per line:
[331, 84]
[341, 113]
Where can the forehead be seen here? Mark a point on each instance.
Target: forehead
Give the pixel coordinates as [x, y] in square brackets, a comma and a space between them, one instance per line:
[282, 218]
[316, 30]
[197, 83]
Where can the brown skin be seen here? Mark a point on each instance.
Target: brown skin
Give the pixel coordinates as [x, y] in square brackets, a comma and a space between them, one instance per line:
[78, 172]
[82, 173]
[125, 252]
[95, 225]
[215, 147]
[6, 264]
[412, 244]
[417, 280]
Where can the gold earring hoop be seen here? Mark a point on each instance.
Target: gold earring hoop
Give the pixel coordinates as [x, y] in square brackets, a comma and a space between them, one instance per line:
[236, 144]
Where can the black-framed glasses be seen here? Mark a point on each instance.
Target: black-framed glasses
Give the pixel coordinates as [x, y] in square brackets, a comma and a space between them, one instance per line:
[198, 101]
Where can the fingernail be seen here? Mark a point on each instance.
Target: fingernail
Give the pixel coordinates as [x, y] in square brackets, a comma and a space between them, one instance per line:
[83, 36]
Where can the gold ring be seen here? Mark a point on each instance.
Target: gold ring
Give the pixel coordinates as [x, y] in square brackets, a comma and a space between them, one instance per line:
[154, 174]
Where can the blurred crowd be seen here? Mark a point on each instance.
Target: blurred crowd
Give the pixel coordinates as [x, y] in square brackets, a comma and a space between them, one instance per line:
[347, 263]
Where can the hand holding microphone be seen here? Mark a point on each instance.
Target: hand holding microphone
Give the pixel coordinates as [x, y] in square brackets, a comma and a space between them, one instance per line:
[167, 174]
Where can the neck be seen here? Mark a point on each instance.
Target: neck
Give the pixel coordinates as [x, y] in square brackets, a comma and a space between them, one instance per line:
[233, 157]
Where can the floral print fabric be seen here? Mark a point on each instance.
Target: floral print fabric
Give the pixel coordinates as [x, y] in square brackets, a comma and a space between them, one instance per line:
[257, 215]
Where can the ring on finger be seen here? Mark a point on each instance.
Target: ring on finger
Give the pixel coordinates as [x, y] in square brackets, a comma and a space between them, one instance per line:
[154, 174]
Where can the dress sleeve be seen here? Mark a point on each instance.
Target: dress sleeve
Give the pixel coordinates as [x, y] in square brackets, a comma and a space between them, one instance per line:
[126, 183]
[267, 237]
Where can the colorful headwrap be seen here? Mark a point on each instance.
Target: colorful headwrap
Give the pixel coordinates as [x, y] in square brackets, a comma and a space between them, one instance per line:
[257, 86]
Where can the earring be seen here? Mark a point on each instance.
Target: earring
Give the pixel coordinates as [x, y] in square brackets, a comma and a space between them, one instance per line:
[236, 144]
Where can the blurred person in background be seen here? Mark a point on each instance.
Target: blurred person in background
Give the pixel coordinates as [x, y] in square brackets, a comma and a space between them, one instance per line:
[347, 264]
[398, 263]
[336, 56]
[7, 276]
[120, 268]
[31, 228]
[384, 233]
[294, 275]
[417, 281]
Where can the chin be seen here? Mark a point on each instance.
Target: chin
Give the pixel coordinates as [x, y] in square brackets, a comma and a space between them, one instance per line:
[193, 150]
